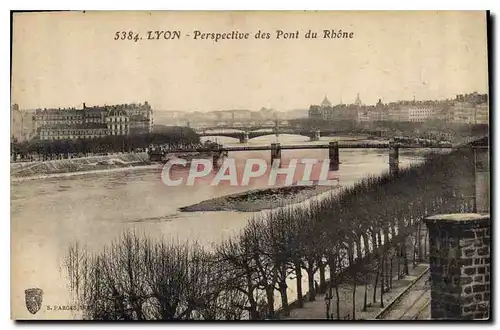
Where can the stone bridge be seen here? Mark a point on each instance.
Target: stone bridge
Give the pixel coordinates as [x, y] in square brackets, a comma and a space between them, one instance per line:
[244, 134]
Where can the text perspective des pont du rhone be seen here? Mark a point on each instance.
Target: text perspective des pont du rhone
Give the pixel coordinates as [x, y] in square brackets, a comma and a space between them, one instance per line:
[136, 36]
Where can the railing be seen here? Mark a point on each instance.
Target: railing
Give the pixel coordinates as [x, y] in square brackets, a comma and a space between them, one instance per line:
[400, 296]
[311, 146]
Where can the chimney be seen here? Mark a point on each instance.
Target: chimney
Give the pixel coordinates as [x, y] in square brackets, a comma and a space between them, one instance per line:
[84, 105]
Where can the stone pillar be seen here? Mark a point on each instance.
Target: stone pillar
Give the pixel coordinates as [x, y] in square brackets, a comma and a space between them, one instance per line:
[333, 155]
[244, 137]
[393, 158]
[215, 160]
[275, 152]
[459, 258]
[316, 135]
[217, 155]
[482, 180]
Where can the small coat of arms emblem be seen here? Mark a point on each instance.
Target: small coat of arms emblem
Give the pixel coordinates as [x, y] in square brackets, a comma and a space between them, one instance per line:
[33, 298]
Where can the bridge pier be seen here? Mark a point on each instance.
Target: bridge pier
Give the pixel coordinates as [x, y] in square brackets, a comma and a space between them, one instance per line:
[316, 135]
[275, 152]
[217, 155]
[333, 155]
[393, 158]
[244, 137]
[216, 158]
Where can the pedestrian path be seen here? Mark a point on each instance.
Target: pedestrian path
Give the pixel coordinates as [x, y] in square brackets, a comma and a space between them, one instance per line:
[317, 309]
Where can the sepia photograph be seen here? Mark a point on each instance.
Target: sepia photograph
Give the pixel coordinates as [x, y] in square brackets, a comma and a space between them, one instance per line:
[250, 166]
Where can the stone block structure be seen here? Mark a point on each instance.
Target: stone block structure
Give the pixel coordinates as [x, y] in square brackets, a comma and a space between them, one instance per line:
[460, 266]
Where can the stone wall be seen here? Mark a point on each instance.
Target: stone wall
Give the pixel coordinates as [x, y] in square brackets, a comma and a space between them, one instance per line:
[460, 266]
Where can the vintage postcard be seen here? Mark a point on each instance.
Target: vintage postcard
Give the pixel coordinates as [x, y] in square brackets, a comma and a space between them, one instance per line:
[250, 165]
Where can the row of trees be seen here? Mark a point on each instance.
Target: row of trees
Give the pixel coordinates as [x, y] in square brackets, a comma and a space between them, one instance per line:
[356, 237]
[56, 149]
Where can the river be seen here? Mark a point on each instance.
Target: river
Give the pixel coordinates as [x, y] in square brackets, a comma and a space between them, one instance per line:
[48, 214]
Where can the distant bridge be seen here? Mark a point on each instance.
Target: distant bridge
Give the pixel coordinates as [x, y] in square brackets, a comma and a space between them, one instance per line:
[246, 133]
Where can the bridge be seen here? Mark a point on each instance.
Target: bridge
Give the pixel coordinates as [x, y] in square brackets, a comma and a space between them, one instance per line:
[247, 133]
[219, 151]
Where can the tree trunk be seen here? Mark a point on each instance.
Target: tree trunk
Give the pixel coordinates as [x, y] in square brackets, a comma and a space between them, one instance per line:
[284, 298]
[310, 281]
[358, 251]
[365, 301]
[399, 263]
[382, 284]
[333, 276]
[390, 274]
[354, 300]
[254, 313]
[367, 251]
[298, 272]
[415, 252]
[425, 242]
[406, 268]
[420, 259]
[270, 301]
[393, 230]
[337, 300]
[376, 284]
[322, 280]
[374, 241]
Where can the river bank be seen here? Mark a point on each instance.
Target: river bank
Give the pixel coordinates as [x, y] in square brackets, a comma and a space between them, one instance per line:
[49, 214]
[87, 165]
[259, 199]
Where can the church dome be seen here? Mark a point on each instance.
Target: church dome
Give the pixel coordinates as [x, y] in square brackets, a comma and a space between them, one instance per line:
[326, 103]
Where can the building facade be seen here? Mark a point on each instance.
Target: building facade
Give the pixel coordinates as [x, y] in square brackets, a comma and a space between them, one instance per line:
[93, 122]
[470, 113]
[467, 109]
[328, 112]
[420, 113]
[73, 131]
[21, 123]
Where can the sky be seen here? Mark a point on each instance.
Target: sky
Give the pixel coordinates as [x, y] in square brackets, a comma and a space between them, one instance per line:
[65, 59]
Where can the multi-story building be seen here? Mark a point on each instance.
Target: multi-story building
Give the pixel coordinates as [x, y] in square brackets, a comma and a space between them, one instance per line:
[370, 114]
[469, 108]
[420, 113]
[470, 113]
[117, 121]
[356, 111]
[482, 114]
[93, 122]
[16, 122]
[21, 123]
[140, 117]
[73, 131]
[322, 111]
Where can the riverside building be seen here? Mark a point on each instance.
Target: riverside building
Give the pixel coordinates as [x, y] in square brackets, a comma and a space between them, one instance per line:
[93, 122]
[464, 109]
